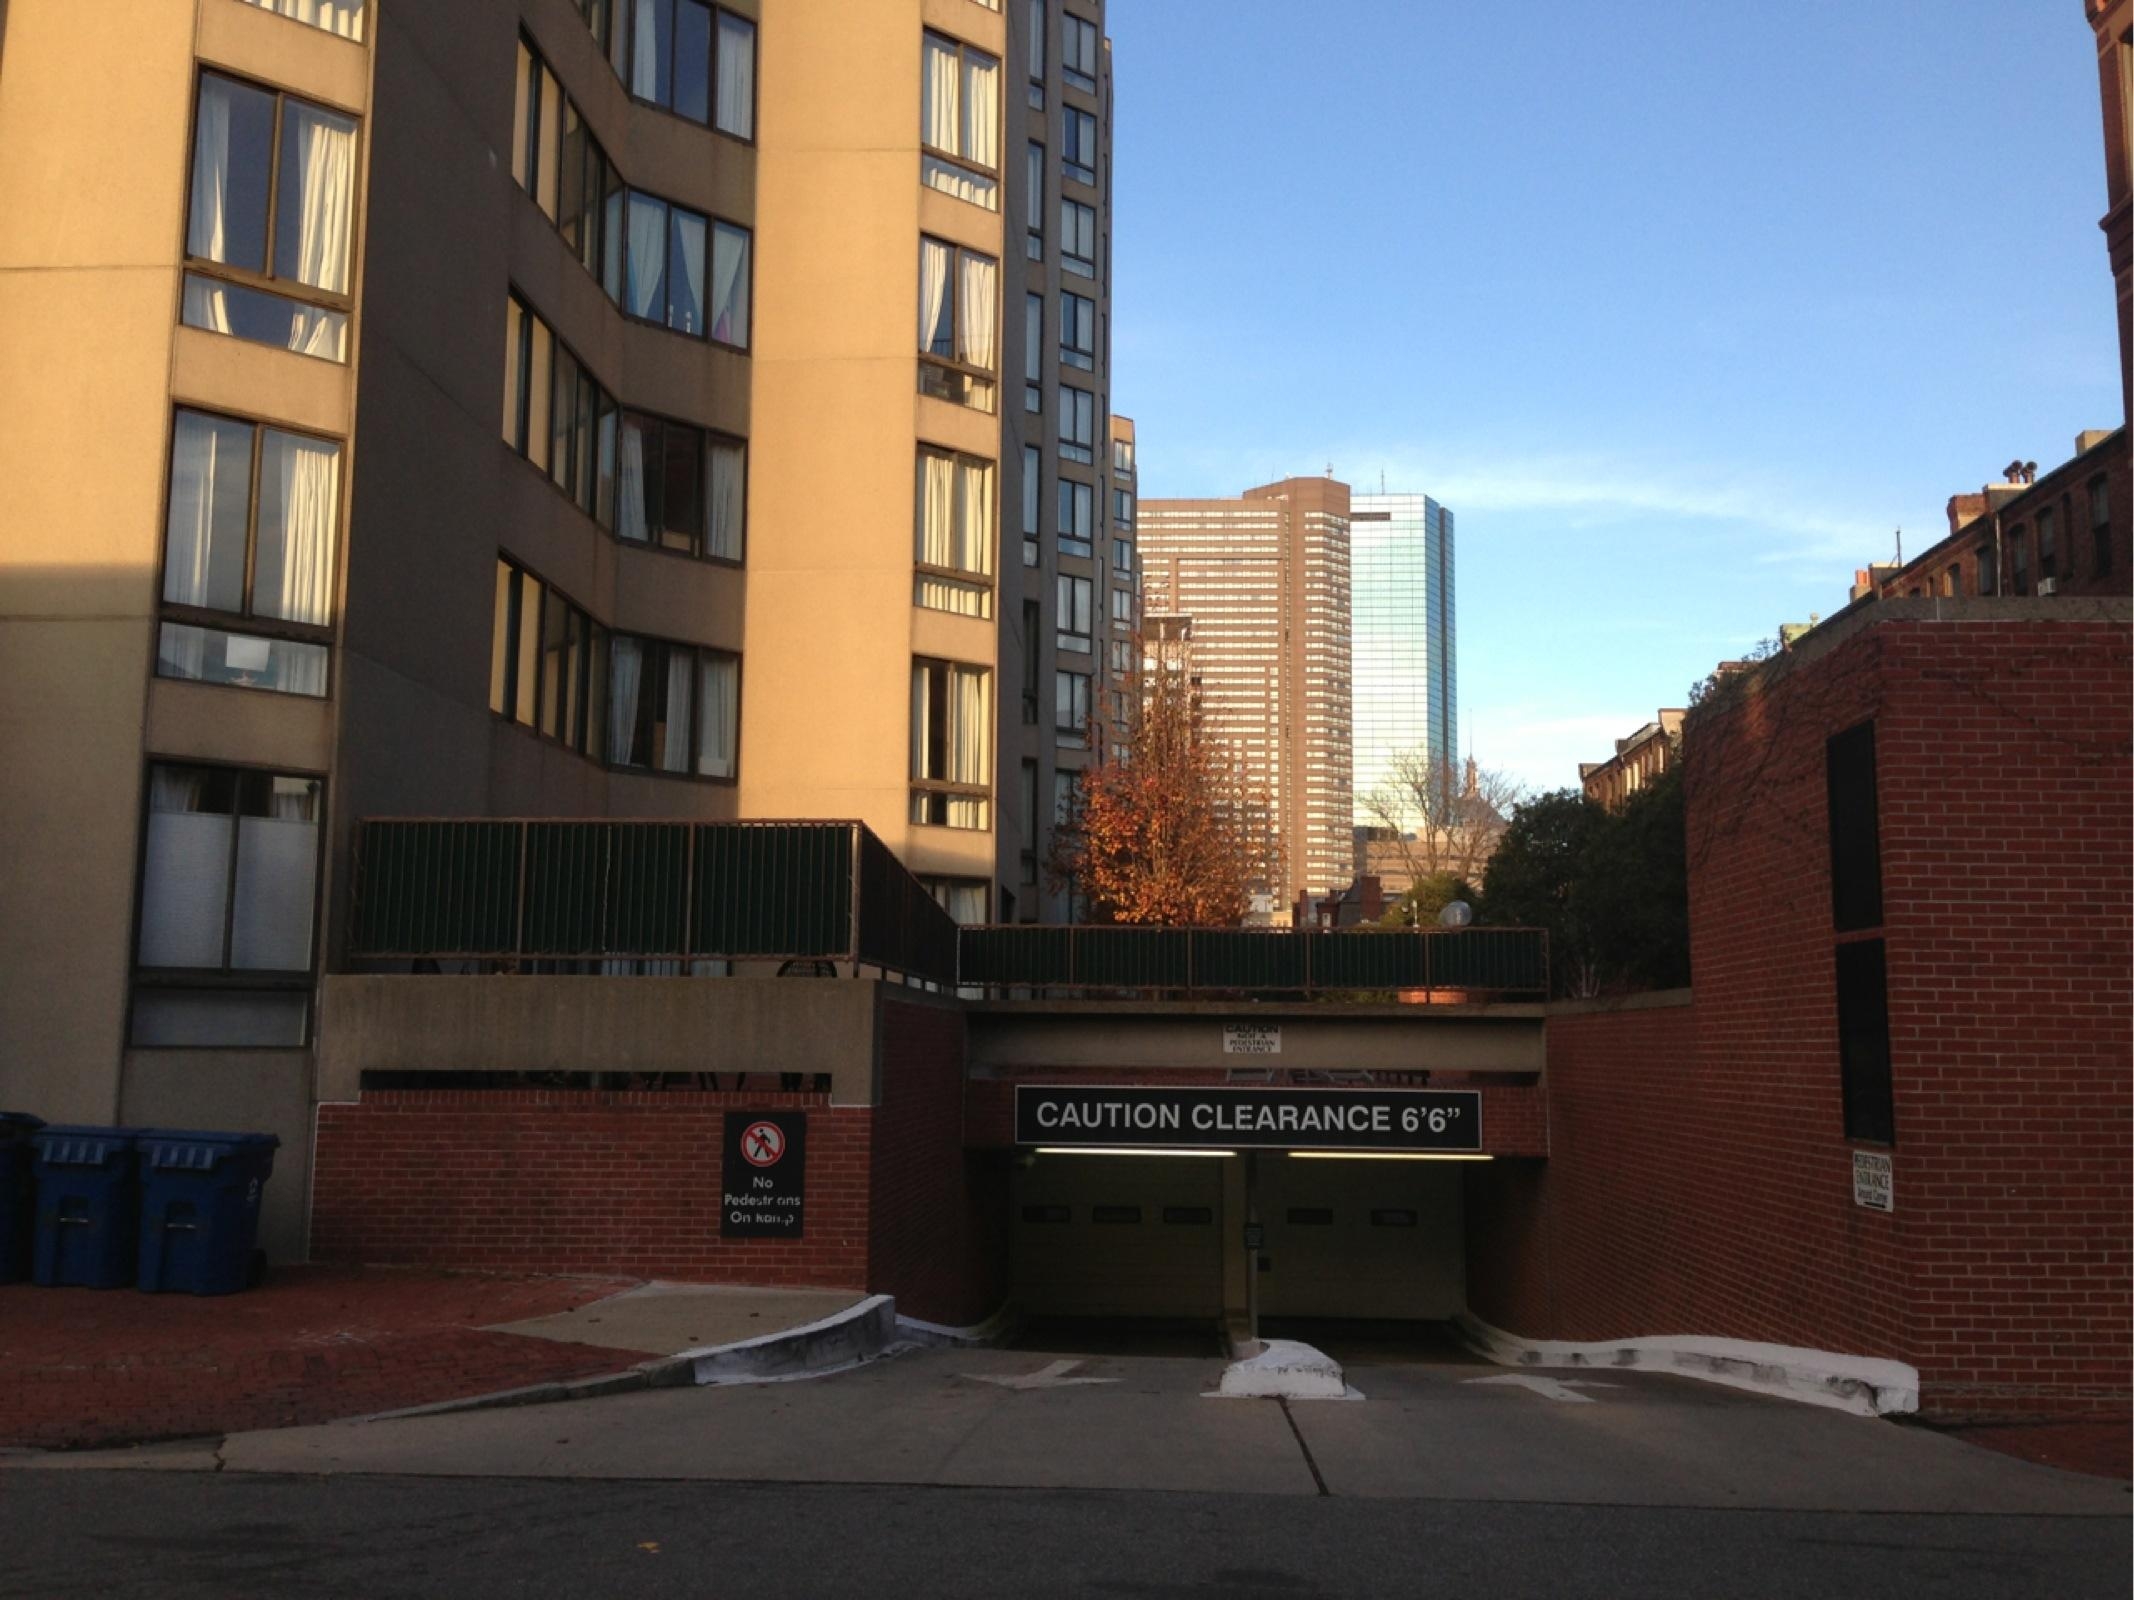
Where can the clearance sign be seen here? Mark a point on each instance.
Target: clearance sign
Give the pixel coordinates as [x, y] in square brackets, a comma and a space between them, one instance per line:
[1266, 1119]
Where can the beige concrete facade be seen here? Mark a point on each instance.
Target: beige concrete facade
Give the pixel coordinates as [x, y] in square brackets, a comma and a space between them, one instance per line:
[1261, 585]
[456, 206]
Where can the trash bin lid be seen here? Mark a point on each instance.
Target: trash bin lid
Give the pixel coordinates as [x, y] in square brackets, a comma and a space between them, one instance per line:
[63, 1144]
[18, 1124]
[198, 1149]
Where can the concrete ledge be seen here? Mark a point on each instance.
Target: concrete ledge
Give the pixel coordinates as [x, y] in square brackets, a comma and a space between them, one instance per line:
[1283, 1369]
[1867, 1386]
[853, 1335]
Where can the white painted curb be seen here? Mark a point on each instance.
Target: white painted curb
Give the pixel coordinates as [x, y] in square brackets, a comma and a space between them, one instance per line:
[940, 1335]
[857, 1333]
[1866, 1386]
[1284, 1370]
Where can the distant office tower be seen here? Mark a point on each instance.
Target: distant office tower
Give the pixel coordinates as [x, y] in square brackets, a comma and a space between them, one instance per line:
[1401, 640]
[1264, 580]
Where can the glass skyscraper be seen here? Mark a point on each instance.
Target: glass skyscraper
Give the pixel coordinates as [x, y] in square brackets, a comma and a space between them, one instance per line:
[1402, 654]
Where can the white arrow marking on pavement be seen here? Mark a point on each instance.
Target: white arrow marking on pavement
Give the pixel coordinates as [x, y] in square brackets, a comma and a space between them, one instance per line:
[1051, 1377]
[1549, 1388]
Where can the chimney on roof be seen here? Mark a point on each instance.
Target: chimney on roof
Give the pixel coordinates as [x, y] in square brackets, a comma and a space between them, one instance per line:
[2090, 438]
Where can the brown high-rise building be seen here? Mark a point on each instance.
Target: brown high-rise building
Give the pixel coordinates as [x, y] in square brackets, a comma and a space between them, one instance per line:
[507, 408]
[1264, 580]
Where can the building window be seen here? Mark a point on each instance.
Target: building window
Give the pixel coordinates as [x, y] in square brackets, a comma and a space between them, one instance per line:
[251, 533]
[272, 215]
[1034, 28]
[664, 265]
[1070, 706]
[1122, 609]
[1064, 780]
[1028, 798]
[1077, 509]
[1951, 582]
[680, 488]
[959, 307]
[1863, 1041]
[344, 17]
[1078, 238]
[2100, 527]
[1078, 51]
[2048, 548]
[1034, 204]
[229, 882]
[683, 56]
[960, 122]
[1122, 508]
[1033, 352]
[1074, 598]
[1121, 657]
[951, 744]
[955, 533]
[2018, 561]
[1078, 424]
[673, 707]
[1122, 456]
[1033, 498]
[1855, 847]
[1989, 573]
[548, 663]
[557, 161]
[1122, 554]
[1078, 145]
[1078, 331]
[1033, 623]
[964, 899]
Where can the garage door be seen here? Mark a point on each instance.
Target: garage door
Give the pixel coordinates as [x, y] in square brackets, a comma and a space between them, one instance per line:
[1361, 1238]
[1118, 1236]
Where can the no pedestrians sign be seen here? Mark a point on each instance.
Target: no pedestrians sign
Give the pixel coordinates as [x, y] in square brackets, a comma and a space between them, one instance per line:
[763, 1176]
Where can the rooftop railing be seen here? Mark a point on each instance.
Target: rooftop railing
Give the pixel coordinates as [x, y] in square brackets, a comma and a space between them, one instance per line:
[609, 896]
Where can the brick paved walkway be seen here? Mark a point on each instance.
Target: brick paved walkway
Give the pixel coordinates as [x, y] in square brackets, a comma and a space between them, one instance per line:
[97, 1367]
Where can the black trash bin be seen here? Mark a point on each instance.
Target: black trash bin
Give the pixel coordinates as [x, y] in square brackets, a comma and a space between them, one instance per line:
[87, 1209]
[18, 1189]
[200, 1194]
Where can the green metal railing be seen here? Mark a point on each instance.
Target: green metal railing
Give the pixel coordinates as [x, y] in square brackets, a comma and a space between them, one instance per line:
[526, 890]
[523, 891]
[1495, 961]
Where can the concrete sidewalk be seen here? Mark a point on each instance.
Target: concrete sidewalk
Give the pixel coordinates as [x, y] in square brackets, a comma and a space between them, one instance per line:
[85, 1368]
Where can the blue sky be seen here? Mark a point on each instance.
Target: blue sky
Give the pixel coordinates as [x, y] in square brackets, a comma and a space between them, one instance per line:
[1682, 307]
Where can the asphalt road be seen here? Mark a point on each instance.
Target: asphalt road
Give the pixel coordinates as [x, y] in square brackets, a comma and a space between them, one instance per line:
[115, 1535]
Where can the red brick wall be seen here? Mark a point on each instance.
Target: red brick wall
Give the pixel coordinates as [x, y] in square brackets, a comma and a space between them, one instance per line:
[577, 1181]
[939, 1240]
[1699, 1178]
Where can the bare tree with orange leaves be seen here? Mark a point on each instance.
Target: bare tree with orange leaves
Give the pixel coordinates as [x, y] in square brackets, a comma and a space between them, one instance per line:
[1161, 829]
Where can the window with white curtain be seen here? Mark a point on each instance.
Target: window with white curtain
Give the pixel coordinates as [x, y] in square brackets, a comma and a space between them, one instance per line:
[548, 663]
[694, 59]
[664, 265]
[673, 708]
[1078, 51]
[959, 121]
[344, 17]
[1078, 145]
[951, 744]
[954, 522]
[270, 219]
[250, 533]
[959, 315]
[1078, 238]
[1078, 424]
[966, 900]
[680, 488]
[229, 881]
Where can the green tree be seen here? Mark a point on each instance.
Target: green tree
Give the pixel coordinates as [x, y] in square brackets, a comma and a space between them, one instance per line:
[1419, 907]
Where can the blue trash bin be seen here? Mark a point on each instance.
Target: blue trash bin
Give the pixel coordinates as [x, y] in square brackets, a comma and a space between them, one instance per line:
[200, 1195]
[87, 1207]
[17, 1191]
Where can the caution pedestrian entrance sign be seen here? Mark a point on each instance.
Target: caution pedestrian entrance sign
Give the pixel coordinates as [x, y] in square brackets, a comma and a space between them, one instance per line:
[763, 1178]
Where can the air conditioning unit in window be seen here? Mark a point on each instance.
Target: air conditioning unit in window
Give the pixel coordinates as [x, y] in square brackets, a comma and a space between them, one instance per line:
[2047, 586]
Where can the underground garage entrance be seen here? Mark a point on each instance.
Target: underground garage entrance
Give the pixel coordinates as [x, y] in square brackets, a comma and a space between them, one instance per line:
[1196, 1208]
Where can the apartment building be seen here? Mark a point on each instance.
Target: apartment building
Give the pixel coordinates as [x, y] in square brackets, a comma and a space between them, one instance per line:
[1263, 582]
[463, 409]
[1404, 647]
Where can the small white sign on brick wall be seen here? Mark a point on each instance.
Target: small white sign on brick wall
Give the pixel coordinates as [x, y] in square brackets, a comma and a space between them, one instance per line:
[1873, 1181]
[1251, 1039]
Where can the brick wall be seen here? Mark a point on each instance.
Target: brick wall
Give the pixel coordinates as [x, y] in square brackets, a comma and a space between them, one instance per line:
[577, 1181]
[1699, 1178]
[939, 1240]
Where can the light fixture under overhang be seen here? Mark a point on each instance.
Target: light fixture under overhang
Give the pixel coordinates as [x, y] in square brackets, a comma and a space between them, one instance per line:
[1387, 1155]
[1091, 1150]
